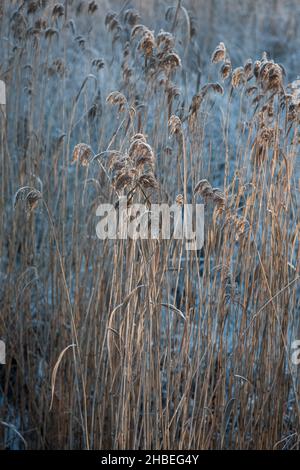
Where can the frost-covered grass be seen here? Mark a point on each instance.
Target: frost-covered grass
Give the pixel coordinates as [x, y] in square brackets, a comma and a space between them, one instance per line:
[140, 344]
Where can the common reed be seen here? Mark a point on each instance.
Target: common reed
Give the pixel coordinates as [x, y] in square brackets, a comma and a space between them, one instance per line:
[139, 344]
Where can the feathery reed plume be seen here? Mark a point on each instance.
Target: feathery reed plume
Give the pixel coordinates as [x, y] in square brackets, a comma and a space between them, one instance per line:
[205, 190]
[51, 32]
[30, 196]
[179, 200]
[113, 25]
[141, 153]
[251, 89]
[112, 22]
[238, 77]
[226, 69]
[33, 7]
[147, 43]
[174, 349]
[170, 61]
[138, 30]
[199, 97]
[58, 10]
[92, 7]
[248, 69]
[293, 101]
[133, 168]
[165, 40]
[117, 99]
[132, 16]
[175, 125]
[139, 136]
[148, 181]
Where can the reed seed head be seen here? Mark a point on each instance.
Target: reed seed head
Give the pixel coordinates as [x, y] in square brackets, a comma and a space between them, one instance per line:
[219, 53]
